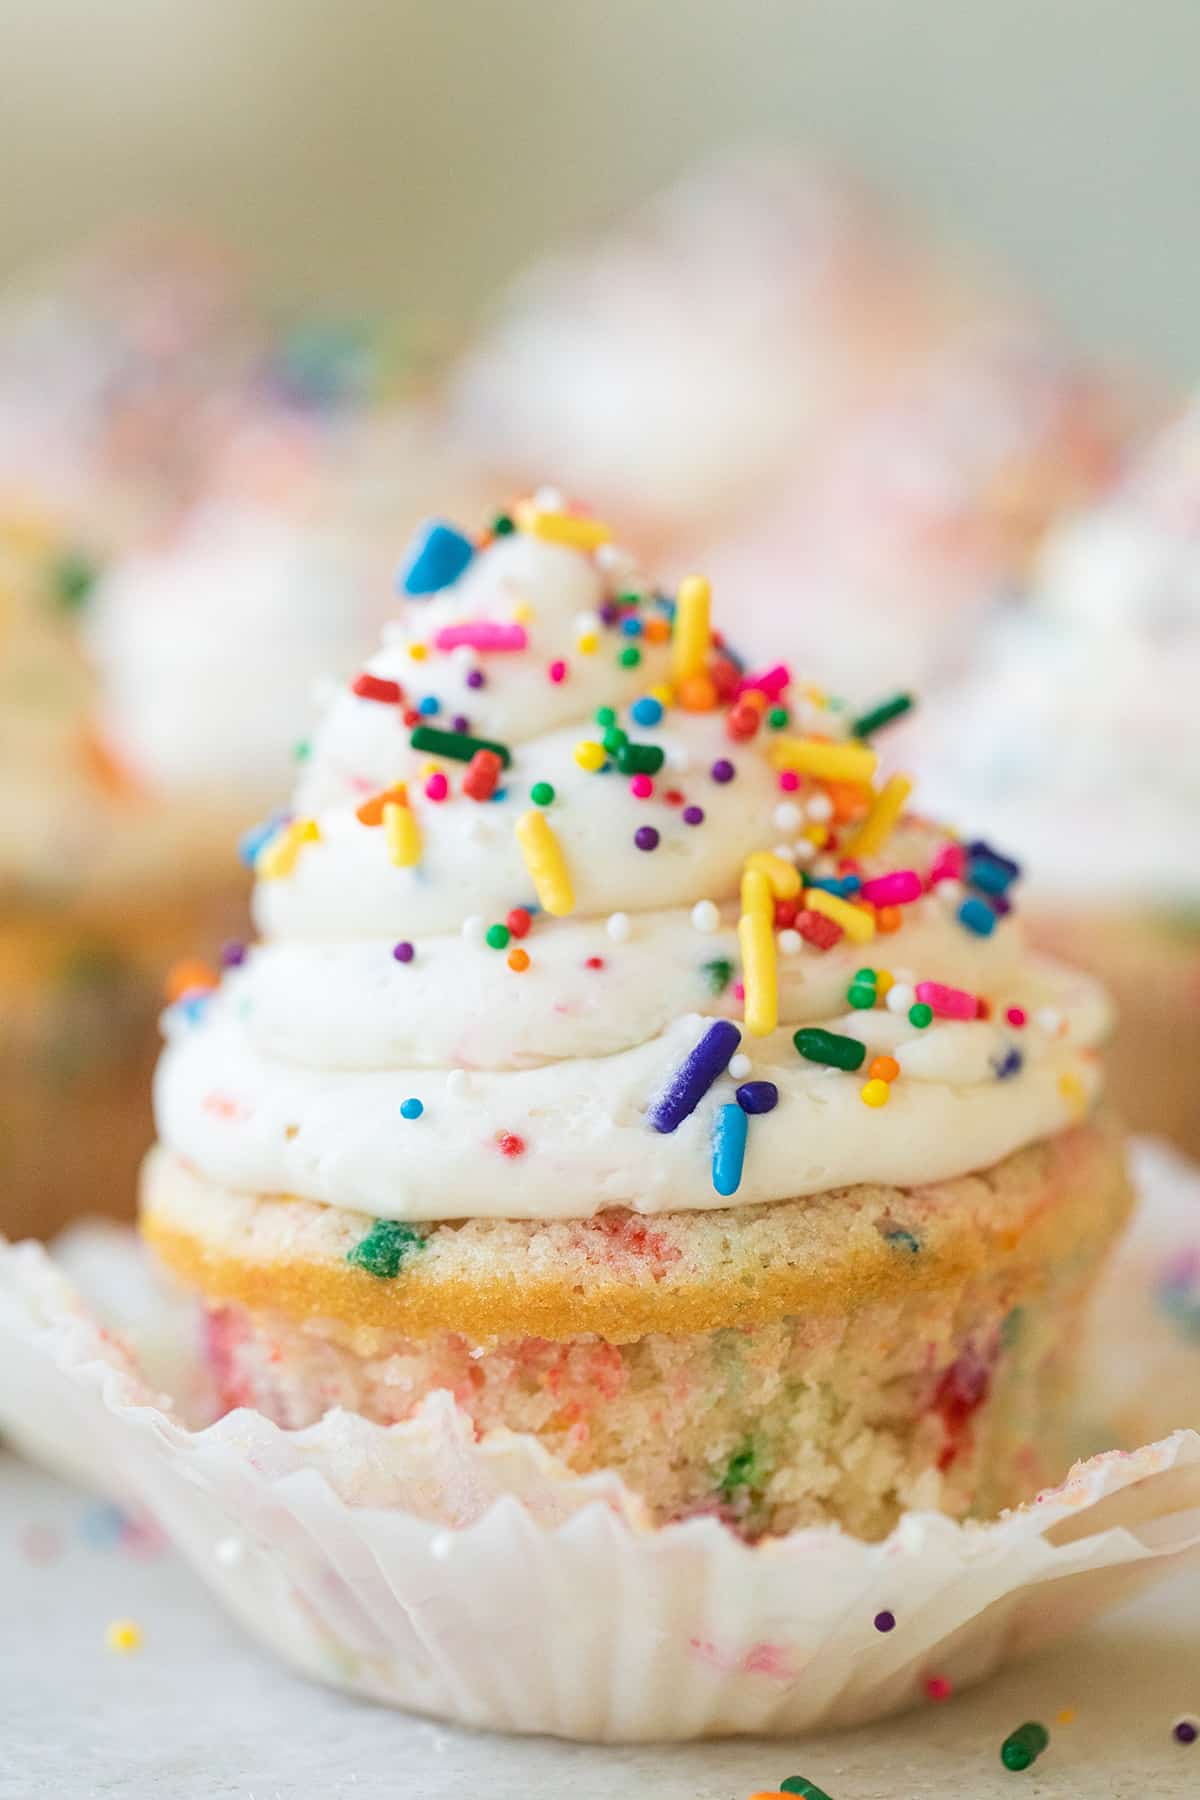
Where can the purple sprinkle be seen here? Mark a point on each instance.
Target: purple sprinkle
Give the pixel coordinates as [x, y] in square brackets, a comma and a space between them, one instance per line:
[723, 770]
[694, 1076]
[646, 838]
[404, 951]
[233, 954]
[885, 1621]
[758, 1096]
[475, 678]
[693, 815]
[459, 722]
[610, 612]
[1186, 1731]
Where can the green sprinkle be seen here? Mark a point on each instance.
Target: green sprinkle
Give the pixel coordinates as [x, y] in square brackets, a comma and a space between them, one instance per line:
[629, 599]
[614, 739]
[1024, 1745]
[606, 715]
[541, 793]
[639, 759]
[502, 525]
[72, 580]
[830, 1047]
[865, 975]
[808, 1790]
[498, 936]
[719, 973]
[455, 744]
[862, 994]
[739, 1474]
[383, 1250]
[920, 1015]
[903, 1239]
[777, 717]
[302, 751]
[630, 657]
[881, 715]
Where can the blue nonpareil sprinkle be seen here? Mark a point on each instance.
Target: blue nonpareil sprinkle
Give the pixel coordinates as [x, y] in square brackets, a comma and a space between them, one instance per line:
[977, 916]
[728, 1148]
[1010, 1063]
[437, 556]
[694, 1076]
[646, 711]
[758, 1096]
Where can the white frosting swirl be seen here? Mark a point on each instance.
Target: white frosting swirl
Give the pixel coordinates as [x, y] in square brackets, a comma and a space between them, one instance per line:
[534, 1082]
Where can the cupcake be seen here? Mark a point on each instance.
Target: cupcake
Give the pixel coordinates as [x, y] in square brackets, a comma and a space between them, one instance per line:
[624, 1059]
[930, 504]
[696, 353]
[1079, 705]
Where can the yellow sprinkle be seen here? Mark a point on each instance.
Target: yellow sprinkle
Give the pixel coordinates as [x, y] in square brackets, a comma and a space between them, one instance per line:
[1072, 1091]
[857, 923]
[884, 979]
[663, 692]
[280, 856]
[827, 762]
[123, 1635]
[691, 636]
[880, 822]
[572, 529]
[418, 652]
[875, 1093]
[402, 835]
[816, 834]
[522, 613]
[546, 864]
[784, 877]
[1066, 1716]
[587, 643]
[589, 755]
[756, 940]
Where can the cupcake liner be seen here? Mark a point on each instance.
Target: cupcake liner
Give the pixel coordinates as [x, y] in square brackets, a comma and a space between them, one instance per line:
[482, 1582]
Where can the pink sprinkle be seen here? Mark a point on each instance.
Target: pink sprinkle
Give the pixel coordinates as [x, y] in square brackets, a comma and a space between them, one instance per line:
[558, 673]
[947, 1002]
[641, 787]
[939, 1687]
[949, 864]
[739, 990]
[481, 634]
[771, 682]
[894, 889]
[789, 781]
[437, 787]
[1015, 1015]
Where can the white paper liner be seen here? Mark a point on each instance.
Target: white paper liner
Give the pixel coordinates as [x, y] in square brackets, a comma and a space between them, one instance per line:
[483, 1583]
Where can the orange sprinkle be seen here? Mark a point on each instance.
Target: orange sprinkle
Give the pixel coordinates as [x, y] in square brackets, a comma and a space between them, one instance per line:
[754, 697]
[371, 811]
[884, 1068]
[656, 631]
[888, 918]
[697, 693]
[518, 959]
[851, 801]
[183, 977]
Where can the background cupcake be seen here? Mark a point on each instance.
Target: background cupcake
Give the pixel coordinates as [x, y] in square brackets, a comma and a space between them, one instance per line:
[1080, 711]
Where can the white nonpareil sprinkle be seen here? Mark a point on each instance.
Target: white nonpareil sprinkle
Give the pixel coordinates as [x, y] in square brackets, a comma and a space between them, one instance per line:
[789, 942]
[1047, 1020]
[618, 928]
[586, 621]
[949, 892]
[549, 499]
[819, 809]
[900, 997]
[740, 1066]
[678, 759]
[803, 851]
[705, 916]
[787, 816]
[473, 929]
[456, 1084]
[228, 1551]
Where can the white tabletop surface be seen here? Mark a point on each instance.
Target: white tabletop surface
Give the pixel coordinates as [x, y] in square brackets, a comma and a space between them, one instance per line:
[199, 1713]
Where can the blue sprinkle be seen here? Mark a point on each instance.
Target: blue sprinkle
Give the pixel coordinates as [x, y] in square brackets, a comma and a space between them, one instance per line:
[985, 873]
[499, 793]
[646, 711]
[694, 1076]
[428, 704]
[728, 1148]
[977, 916]
[252, 841]
[631, 626]
[903, 1240]
[437, 556]
[758, 1096]
[411, 1109]
[194, 1006]
[841, 885]
[1011, 1063]
[985, 853]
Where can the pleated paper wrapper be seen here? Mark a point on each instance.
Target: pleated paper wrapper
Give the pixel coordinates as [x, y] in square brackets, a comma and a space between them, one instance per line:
[483, 1583]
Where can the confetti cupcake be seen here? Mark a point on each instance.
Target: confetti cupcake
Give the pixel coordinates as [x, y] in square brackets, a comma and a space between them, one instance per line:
[1080, 706]
[625, 1059]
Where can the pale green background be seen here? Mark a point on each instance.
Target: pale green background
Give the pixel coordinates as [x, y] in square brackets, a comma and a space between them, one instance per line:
[416, 152]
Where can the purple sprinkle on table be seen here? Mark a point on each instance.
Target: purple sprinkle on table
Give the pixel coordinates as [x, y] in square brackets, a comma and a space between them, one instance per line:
[404, 951]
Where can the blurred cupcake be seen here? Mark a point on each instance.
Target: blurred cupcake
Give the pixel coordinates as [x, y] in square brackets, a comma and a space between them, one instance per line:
[927, 505]
[1082, 708]
[717, 338]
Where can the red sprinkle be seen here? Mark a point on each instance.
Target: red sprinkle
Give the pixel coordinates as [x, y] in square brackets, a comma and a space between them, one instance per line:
[510, 1143]
[741, 721]
[939, 1687]
[672, 796]
[594, 962]
[412, 716]
[518, 921]
[376, 687]
[724, 675]
[785, 914]
[482, 776]
[1015, 1015]
[816, 929]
